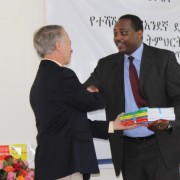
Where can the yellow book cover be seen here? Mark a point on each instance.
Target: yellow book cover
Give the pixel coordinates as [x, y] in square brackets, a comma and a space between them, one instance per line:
[18, 151]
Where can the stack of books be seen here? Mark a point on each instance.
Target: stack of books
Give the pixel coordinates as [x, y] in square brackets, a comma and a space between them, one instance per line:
[147, 115]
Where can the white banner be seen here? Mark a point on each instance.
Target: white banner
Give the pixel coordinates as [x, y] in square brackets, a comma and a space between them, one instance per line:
[89, 24]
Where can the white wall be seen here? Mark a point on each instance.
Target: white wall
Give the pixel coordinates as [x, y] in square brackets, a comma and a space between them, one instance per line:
[18, 65]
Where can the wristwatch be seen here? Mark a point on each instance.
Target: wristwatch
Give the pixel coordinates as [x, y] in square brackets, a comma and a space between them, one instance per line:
[169, 127]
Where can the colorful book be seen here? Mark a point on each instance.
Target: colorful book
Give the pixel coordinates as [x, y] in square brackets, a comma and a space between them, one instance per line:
[147, 115]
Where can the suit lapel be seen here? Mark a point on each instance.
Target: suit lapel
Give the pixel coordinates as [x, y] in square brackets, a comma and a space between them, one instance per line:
[119, 69]
[119, 78]
[146, 62]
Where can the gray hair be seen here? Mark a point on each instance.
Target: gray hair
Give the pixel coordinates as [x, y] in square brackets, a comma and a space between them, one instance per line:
[46, 37]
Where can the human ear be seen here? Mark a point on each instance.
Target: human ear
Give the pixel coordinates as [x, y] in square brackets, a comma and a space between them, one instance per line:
[58, 45]
[140, 34]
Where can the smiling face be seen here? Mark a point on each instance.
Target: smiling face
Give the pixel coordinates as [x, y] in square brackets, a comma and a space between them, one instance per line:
[126, 38]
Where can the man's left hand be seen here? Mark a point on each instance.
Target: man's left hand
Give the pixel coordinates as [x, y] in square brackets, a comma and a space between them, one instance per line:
[160, 124]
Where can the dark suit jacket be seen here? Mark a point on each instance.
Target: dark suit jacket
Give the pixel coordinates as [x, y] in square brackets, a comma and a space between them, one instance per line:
[60, 104]
[159, 84]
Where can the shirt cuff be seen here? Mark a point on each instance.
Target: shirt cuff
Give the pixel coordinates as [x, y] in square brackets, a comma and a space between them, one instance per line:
[111, 127]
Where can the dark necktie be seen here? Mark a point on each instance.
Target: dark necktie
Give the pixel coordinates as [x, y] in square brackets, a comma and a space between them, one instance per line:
[135, 84]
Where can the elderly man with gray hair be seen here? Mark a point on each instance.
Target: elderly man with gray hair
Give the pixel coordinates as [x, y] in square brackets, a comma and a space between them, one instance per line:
[65, 148]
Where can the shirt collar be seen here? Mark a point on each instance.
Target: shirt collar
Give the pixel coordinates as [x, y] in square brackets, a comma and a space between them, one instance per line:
[136, 54]
[53, 61]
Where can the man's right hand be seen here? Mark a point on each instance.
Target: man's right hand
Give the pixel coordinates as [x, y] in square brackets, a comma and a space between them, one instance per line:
[119, 126]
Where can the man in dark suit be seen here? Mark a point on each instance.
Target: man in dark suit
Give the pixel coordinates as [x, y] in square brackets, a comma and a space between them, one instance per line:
[143, 153]
[60, 103]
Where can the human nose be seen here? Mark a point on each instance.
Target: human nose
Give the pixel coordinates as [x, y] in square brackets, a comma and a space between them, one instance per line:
[118, 36]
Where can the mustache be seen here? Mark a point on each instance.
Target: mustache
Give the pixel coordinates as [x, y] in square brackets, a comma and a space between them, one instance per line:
[118, 42]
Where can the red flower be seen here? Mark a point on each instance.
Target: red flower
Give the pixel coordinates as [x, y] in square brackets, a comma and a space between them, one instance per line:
[17, 166]
[7, 158]
[23, 173]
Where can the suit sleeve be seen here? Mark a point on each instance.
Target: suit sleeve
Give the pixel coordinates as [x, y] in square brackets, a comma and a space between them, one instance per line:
[76, 95]
[94, 78]
[99, 129]
[173, 86]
